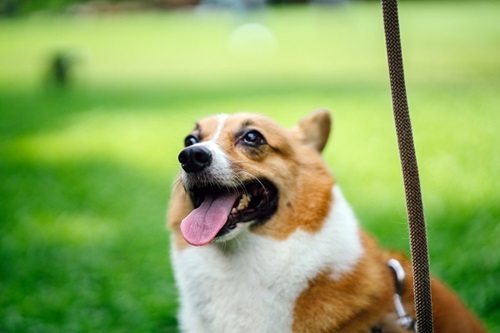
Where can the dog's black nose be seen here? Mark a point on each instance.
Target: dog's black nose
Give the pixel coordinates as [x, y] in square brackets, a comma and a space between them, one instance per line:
[195, 158]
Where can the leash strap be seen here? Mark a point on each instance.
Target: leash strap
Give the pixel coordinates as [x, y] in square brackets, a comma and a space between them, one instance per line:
[414, 206]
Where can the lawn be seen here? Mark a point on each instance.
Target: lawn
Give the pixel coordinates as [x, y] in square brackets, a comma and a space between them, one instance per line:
[86, 169]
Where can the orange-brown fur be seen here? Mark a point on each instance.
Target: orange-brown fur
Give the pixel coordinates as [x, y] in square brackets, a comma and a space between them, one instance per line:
[354, 303]
[336, 306]
[180, 207]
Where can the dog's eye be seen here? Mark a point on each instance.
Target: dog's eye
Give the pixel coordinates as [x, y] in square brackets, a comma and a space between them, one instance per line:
[190, 140]
[253, 139]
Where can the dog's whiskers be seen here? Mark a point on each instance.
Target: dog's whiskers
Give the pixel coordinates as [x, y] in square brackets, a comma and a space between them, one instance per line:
[257, 179]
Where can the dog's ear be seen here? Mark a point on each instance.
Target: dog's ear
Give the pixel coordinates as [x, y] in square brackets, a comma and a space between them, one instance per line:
[314, 129]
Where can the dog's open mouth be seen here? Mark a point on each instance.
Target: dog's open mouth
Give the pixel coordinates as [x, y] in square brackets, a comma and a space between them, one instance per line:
[218, 209]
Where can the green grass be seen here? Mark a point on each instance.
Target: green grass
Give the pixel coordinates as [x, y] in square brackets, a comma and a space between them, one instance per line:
[86, 171]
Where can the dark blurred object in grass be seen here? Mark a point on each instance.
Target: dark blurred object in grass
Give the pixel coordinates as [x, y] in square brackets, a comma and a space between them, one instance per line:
[61, 68]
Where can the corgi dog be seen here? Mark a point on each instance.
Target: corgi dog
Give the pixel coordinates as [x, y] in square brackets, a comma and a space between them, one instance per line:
[264, 241]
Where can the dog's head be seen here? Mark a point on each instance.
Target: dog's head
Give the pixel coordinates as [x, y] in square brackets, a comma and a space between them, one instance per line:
[245, 173]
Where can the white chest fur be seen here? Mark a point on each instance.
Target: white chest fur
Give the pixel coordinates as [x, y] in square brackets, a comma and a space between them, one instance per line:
[252, 285]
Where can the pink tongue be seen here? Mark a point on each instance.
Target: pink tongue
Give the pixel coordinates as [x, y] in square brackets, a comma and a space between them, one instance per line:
[202, 225]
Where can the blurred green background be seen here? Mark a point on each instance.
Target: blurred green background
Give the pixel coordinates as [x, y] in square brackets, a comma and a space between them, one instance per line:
[95, 103]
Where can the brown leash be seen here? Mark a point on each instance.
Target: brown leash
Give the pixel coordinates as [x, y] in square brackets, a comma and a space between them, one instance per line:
[414, 206]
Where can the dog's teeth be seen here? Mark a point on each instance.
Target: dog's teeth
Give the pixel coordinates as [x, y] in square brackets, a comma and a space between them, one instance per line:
[233, 211]
[244, 201]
